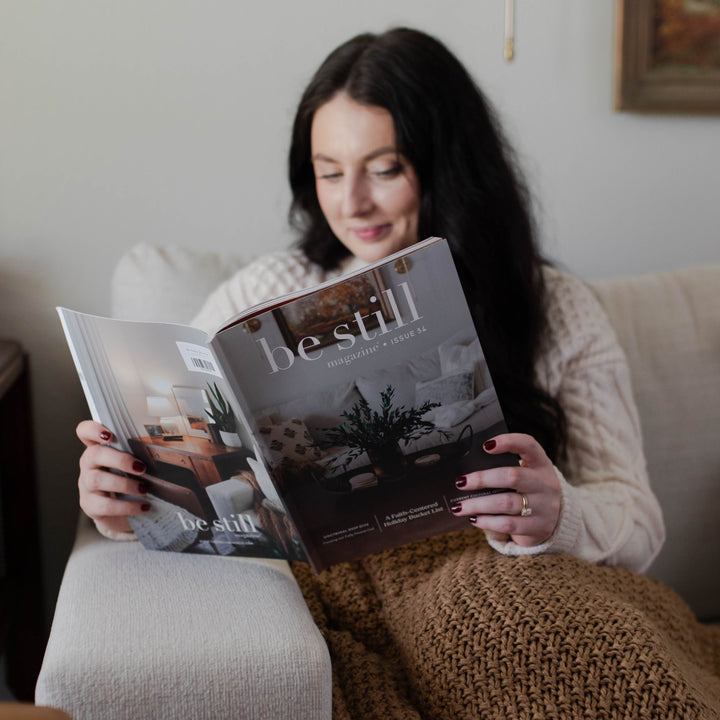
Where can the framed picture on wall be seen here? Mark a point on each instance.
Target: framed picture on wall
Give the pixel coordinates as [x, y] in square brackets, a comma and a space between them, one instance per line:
[155, 431]
[321, 312]
[667, 55]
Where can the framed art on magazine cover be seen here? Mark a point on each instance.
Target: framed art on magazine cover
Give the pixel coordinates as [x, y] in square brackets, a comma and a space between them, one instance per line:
[321, 312]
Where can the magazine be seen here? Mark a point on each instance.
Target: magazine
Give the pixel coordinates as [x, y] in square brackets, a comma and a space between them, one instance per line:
[321, 426]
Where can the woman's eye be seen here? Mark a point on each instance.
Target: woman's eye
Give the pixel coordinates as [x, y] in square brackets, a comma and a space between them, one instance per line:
[330, 176]
[391, 172]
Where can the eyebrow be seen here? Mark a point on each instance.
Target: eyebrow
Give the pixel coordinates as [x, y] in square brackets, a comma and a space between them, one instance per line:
[369, 156]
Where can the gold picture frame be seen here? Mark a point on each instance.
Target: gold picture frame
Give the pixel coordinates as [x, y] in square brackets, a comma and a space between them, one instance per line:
[667, 56]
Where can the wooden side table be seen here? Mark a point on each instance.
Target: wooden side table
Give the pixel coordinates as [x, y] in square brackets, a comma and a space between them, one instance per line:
[211, 463]
[26, 711]
[23, 634]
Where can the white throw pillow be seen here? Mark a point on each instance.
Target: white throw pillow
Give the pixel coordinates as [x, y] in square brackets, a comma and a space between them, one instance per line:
[455, 357]
[289, 439]
[447, 389]
[398, 378]
[231, 496]
[320, 410]
[402, 378]
[168, 282]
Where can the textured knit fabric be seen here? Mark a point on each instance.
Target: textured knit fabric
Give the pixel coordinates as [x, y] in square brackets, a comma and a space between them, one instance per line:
[609, 513]
[449, 629]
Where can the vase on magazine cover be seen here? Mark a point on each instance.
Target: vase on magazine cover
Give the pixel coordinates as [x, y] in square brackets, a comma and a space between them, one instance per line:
[388, 462]
[231, 439]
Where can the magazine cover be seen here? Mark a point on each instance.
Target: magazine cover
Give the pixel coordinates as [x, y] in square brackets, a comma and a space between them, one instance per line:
[367, 399]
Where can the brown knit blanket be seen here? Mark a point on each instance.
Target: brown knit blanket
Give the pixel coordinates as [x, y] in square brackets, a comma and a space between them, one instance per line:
[449, 628]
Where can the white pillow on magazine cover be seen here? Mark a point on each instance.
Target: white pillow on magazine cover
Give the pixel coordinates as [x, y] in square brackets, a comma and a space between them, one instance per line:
[319, 410]
[402, 378]
[447, 389]
[289, 439]
[460, 356]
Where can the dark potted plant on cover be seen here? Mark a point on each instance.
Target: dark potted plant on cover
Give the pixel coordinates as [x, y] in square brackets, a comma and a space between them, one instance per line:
[222, 414]
[380, 433]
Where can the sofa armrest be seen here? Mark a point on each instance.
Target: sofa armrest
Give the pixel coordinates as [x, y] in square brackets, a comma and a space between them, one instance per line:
[138, 633]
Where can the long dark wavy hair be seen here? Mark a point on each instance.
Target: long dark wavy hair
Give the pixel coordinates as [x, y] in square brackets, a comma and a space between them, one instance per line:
[471, 194]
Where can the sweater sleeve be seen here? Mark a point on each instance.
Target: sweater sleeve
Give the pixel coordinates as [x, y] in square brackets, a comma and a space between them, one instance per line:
[231, 297]
[608, 513]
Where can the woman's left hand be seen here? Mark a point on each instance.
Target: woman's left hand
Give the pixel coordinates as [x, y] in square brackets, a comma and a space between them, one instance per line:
[529, 522]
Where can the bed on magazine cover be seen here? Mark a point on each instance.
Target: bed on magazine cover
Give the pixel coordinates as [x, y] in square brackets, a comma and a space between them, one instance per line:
[453, 377]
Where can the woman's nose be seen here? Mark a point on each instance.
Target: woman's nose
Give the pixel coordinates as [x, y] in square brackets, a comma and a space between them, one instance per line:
[357, 200]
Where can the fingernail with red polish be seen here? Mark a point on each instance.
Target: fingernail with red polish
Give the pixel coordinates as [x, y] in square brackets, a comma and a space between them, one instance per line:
[138, 467]
[143, 488]
[472, 519]
[456, 508]
[145, 507]
[489, 445]
[105, 435]
[461, 482]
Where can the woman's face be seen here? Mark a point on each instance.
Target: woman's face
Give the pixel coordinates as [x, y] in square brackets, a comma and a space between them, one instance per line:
[368, 192]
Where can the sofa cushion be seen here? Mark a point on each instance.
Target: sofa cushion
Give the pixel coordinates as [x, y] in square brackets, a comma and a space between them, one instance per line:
[168, 283]
[669, 326]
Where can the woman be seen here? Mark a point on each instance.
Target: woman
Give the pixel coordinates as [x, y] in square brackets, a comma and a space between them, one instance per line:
[373, 170]
[393, 142]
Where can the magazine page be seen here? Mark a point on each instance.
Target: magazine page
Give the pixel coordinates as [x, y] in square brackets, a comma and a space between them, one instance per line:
[158, 388]
[368, 398]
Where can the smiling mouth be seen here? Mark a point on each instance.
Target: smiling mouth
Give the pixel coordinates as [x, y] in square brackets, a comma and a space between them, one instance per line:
[373, 232]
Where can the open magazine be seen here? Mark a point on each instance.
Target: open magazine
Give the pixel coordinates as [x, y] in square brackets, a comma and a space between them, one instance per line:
[322, 426]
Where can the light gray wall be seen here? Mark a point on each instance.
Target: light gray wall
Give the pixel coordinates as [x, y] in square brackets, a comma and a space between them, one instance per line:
[168, 120]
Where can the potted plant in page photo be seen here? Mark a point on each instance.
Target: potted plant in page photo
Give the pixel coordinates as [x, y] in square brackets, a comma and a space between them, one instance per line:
[222, 414]
[379, 433]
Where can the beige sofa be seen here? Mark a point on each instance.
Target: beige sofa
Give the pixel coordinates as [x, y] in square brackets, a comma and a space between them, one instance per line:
[164, 635]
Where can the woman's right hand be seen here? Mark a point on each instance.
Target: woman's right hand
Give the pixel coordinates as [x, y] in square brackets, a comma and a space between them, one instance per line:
[98, 485]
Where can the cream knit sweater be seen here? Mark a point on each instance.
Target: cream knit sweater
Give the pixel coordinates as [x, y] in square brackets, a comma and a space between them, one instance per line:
[608, 511]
